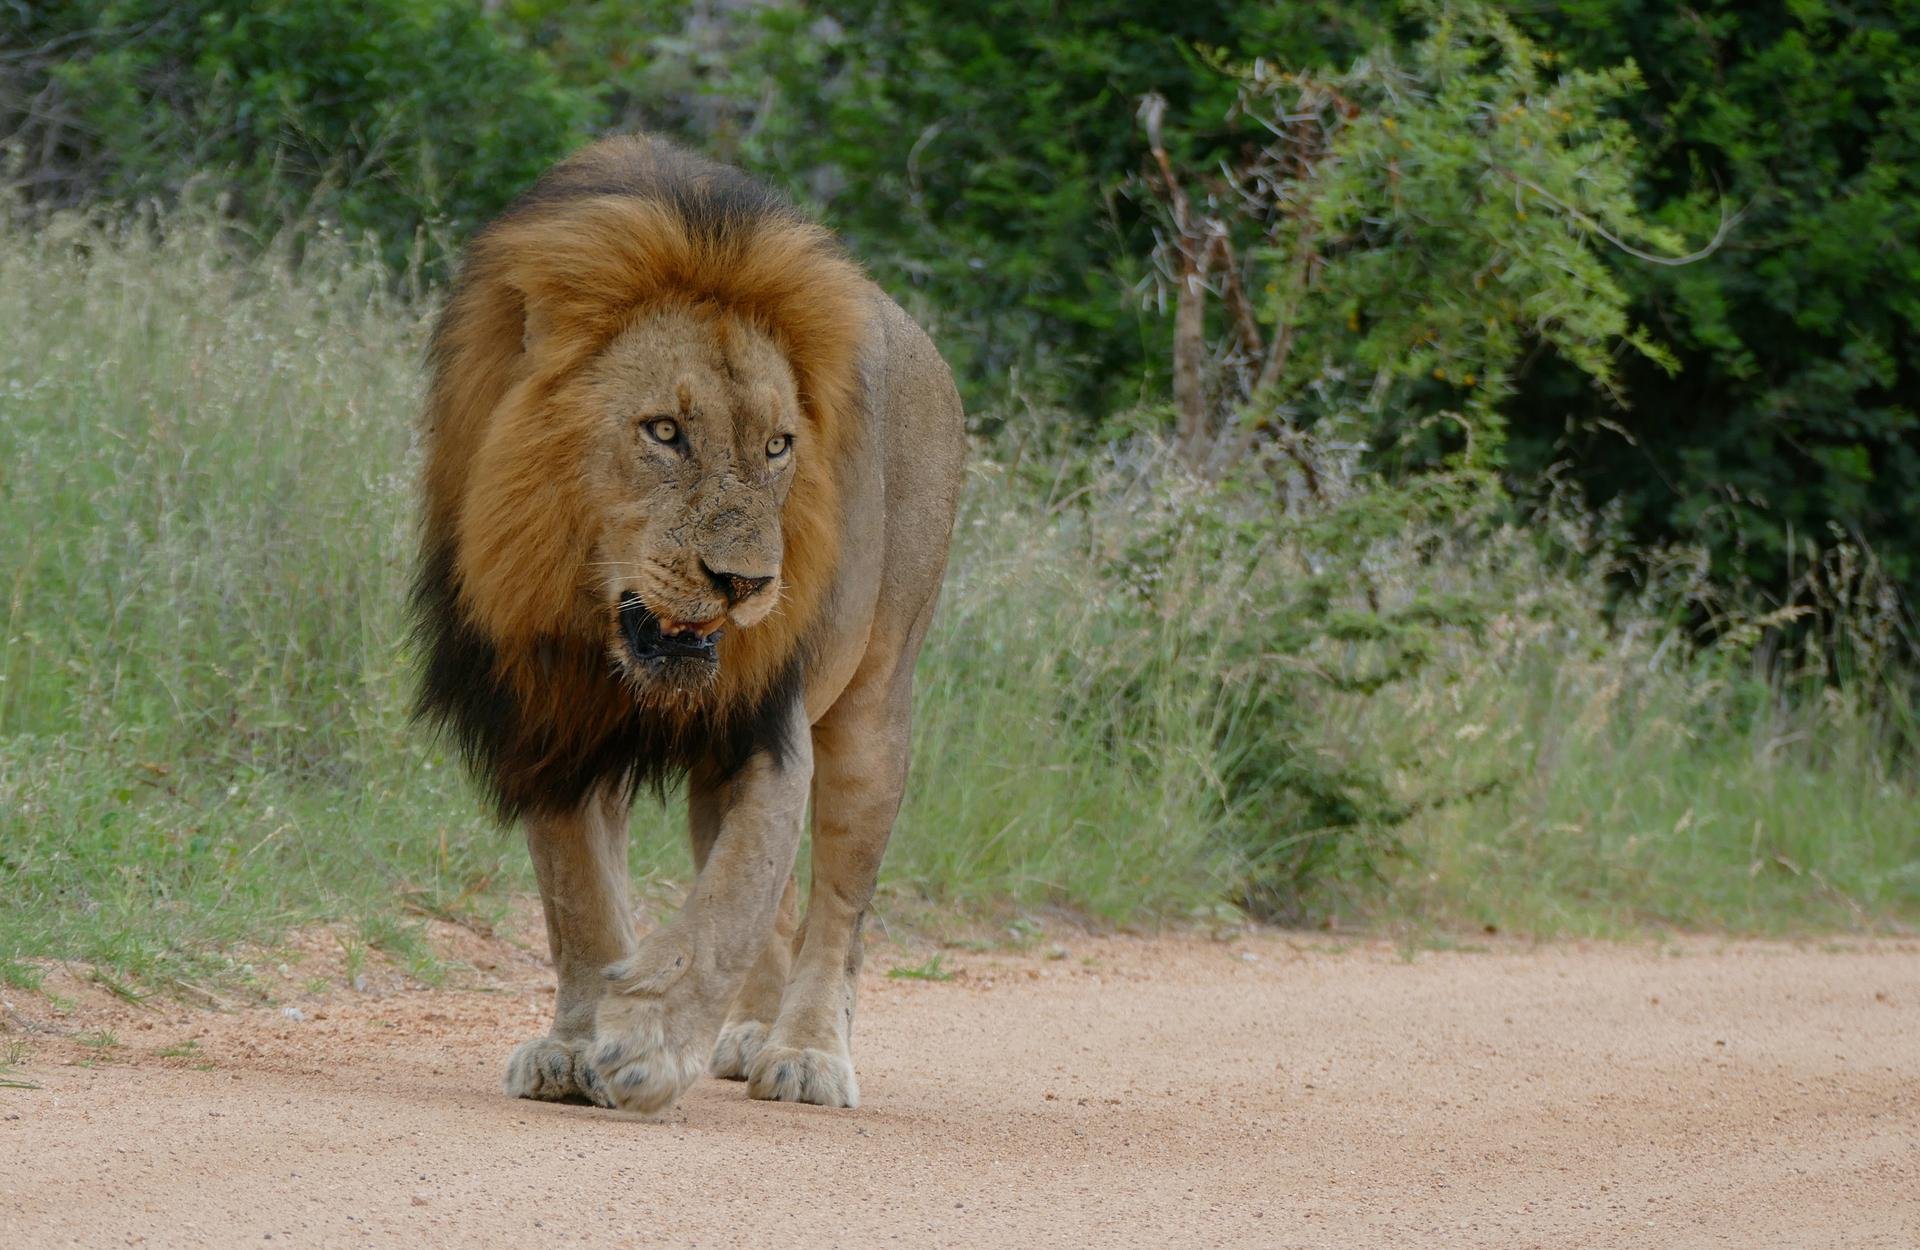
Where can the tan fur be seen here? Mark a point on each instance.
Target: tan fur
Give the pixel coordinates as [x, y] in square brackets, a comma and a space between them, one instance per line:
[586, 315]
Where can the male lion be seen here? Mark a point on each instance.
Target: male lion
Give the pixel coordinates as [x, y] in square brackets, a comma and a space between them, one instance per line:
[690, 479]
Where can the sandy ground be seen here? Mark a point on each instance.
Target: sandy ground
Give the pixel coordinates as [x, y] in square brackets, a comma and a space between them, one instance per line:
[1268, 1091]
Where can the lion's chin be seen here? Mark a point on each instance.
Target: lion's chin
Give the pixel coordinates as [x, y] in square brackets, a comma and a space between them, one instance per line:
[661, 658]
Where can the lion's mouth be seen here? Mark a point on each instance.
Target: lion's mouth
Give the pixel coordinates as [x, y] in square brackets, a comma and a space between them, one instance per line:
[648, 639]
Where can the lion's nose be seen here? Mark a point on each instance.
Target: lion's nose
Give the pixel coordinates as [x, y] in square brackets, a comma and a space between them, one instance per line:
[735, 586]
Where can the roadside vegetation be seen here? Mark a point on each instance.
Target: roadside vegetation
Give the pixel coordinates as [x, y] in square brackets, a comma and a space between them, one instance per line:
[1289, 631]
[1146, 698]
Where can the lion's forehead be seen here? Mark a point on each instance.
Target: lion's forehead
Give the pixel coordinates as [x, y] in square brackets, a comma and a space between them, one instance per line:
[714, 371]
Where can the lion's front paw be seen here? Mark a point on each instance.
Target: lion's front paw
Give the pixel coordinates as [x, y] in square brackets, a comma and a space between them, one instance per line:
[646, 1053]
[739, 1042]
[653, 1033]
[789, 1074]
[554, 1069]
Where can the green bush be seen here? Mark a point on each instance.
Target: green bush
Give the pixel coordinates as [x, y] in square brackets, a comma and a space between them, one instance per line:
[1795, 417]
[1391, 242]
[388, 118]
[1242, 627]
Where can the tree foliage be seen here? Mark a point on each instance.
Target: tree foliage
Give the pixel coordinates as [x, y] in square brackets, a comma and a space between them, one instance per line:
[1394, 239]
[1795, 414]
[978, 156]
[973, 154]
[385, 117]
[986, 162]
[1796, 411]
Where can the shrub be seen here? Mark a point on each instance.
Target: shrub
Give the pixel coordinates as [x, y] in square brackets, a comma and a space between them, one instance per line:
[1392, 241]
[389, 118]
[1794, 420]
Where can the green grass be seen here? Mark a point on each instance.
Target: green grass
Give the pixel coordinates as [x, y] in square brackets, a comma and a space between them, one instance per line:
[13, 1055]
[203, 734]
[1630, 797]
[101, 1041]
[405, 943]
[934, 969]
[206, 526]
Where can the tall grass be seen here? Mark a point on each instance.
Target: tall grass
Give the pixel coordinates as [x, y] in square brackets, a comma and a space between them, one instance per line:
[1630, 779]
[1142, 697]
[202, 704]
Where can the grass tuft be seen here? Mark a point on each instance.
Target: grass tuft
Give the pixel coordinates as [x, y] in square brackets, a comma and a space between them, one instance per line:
[933, 969]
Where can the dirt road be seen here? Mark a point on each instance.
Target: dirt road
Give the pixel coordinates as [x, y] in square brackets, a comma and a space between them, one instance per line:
[1269, 1091]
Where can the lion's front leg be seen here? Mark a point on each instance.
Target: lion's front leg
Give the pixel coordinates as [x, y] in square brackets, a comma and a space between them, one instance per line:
[861, 751]
[757, 1005]
[655, 1029]
[758, 1002]
[580, 860]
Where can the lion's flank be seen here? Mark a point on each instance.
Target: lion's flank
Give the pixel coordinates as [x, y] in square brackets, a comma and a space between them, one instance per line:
[515, 660]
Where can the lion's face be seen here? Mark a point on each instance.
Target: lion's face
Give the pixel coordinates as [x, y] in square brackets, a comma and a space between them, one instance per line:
[697, 430]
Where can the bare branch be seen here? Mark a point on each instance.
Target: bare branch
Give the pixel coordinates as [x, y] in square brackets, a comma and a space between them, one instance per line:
[1246, 326]
[1727, 222]
[1153, 110]
[1189, 310]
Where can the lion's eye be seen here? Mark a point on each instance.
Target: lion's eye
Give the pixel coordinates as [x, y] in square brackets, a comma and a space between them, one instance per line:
[664, 431]
[778, 445]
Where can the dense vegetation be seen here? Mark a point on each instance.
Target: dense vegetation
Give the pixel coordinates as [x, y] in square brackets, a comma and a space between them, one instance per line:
[1795, 413]
[986, 161]
[390, 118]
[1375, 702]
[1327, 353]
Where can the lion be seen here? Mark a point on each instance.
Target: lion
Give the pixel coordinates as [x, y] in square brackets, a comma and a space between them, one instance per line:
[689, 483]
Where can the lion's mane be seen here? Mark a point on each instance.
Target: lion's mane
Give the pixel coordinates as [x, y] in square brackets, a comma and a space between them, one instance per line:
[516, 667]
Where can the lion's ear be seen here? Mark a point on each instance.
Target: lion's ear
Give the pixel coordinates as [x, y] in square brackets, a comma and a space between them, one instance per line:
[536, 329]
[522, 535]
[558, 332]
